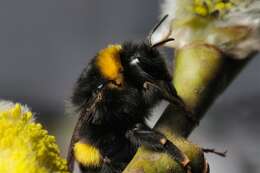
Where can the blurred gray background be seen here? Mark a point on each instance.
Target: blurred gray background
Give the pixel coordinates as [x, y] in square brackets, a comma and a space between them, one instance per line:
[44, 45]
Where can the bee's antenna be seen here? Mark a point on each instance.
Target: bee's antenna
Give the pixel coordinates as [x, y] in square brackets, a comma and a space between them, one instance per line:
[155, 28]
[162, 42]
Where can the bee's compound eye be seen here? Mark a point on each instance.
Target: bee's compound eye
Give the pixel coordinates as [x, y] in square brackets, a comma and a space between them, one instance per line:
[134, 61]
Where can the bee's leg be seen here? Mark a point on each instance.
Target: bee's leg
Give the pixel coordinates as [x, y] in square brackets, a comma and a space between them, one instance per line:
[143, 135]
[177, 101]
[179, 104]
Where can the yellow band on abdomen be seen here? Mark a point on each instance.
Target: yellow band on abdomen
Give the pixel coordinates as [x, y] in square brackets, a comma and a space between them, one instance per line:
[87, 154]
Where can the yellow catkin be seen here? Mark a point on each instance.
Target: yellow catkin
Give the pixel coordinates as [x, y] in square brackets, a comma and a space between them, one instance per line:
[25, 146]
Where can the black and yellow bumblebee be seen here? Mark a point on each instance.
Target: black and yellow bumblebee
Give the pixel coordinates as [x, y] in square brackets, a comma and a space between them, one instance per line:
[114, 96]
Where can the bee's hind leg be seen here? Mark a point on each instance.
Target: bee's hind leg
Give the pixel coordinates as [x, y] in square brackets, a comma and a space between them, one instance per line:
[143, 135]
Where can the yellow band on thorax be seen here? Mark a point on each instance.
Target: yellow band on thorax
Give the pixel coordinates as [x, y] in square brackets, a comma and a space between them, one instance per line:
[108, 62]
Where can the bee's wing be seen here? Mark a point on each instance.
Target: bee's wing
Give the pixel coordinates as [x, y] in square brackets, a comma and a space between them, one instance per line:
[87, 115]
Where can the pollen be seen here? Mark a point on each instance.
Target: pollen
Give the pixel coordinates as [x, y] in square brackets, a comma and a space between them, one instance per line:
[87, 154]
[24, 145]
[207, 7]
[108, 62]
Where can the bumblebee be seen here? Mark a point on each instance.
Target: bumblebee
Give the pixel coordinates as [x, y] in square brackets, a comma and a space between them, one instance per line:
[114, 96]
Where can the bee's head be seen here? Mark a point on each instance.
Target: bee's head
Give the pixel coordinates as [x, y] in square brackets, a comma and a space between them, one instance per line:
[141, 63]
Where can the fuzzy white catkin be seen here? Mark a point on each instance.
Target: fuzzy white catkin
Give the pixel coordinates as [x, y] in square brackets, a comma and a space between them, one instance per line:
[248, 14]
[5, 105]
[244, 13]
